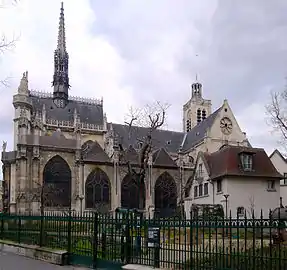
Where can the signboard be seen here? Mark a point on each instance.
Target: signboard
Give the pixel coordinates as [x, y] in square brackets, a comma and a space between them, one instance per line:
[153, 240]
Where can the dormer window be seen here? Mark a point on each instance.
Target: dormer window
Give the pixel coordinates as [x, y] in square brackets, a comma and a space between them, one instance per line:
[168, 142]
[246, 161]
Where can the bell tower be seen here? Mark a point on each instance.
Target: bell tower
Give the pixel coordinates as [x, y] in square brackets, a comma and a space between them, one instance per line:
[61, 66]
[197, 109]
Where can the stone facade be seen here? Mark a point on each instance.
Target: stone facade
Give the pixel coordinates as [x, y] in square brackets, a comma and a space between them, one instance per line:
[68, 142]
[280, 163]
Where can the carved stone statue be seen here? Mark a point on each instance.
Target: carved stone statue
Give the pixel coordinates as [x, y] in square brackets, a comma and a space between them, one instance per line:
[4, 146]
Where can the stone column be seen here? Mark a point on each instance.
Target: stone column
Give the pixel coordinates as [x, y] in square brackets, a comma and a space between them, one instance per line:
[77, 187]
[35, 205]
[13, 188]
[148, 185]
[116, 186]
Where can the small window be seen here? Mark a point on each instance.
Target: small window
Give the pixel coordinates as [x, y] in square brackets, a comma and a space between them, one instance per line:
[205, 189]
[168, 142]
[188, 125]
[140, 145]
[240, 211]
[285, 179]
[219, 185]
[190, 159]
[195, 192]
[200, 171]
[246, 160]
[271, 185]
[200, 190]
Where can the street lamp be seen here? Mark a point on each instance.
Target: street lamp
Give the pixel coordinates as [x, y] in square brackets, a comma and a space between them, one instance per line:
[226, 201]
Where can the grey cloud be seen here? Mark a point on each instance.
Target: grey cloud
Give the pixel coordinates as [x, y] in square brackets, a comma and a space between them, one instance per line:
[242, 47]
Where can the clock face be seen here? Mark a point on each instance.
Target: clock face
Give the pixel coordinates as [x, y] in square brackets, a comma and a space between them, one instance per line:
[226, 125]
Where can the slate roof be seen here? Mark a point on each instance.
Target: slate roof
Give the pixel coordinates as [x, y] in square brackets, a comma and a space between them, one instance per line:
[169, 140]
[88, 113]
[197, 134]
[162, 158]
[56, 140]
[95, 153]
[131, 155]
[226, 162]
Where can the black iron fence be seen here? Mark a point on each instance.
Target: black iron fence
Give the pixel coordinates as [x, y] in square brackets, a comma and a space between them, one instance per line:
[174, 243]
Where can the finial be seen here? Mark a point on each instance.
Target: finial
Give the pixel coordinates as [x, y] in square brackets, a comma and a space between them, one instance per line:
[23, 87]
[4, 145]
[196, 74]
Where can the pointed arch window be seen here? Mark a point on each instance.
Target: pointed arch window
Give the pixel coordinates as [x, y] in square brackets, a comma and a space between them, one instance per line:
[57, 183]
[97, 191]
[165, 195]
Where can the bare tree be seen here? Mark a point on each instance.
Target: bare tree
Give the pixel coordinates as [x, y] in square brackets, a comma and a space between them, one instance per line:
[277, 112]
[151, 117]
[7, 44]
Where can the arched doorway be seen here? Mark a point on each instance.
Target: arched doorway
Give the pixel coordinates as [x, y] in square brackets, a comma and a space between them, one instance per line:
[132, 193]
[165, 195]
[97, 191]
[57, 183]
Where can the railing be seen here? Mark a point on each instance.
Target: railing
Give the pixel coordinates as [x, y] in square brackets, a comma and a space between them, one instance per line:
[60, 123]
[90, 101]
[174, 243]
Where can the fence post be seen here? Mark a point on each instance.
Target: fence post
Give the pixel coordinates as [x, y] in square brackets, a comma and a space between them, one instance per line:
[128, 240]
[2, 225]
[95, 241]
[69, 235]
[41, 230]
[19, 229]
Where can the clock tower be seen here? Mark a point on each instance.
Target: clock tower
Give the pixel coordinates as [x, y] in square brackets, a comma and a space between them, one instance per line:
[197, 109]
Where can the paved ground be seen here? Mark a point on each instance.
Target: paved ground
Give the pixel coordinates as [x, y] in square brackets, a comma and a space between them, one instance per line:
[10, 261]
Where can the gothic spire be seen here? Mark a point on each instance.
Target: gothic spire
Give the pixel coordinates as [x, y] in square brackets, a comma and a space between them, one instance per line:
[61, 66]
[61, 34]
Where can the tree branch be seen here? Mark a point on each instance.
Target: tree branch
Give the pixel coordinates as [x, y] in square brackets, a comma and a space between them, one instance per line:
[150, 118]
[6, 44]
[277, 113]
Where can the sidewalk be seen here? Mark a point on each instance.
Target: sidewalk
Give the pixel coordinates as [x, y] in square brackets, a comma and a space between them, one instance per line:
[10, 261]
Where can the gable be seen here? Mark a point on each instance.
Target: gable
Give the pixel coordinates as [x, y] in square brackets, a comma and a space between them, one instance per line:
[95, 153]
[201, 171]
[215, 131]
[279, 161]
[162, 158]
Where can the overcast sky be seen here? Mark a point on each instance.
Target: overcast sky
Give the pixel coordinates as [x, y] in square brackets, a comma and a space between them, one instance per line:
[138, 51]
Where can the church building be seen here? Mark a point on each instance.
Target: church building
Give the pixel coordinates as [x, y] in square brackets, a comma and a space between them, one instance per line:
[65, 147]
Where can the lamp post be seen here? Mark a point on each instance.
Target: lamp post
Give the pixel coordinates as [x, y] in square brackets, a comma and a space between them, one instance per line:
[226, 201]
[226, 209]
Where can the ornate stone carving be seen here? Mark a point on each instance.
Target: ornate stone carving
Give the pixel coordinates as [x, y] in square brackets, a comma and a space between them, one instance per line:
[36, 152]
[4, 145]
